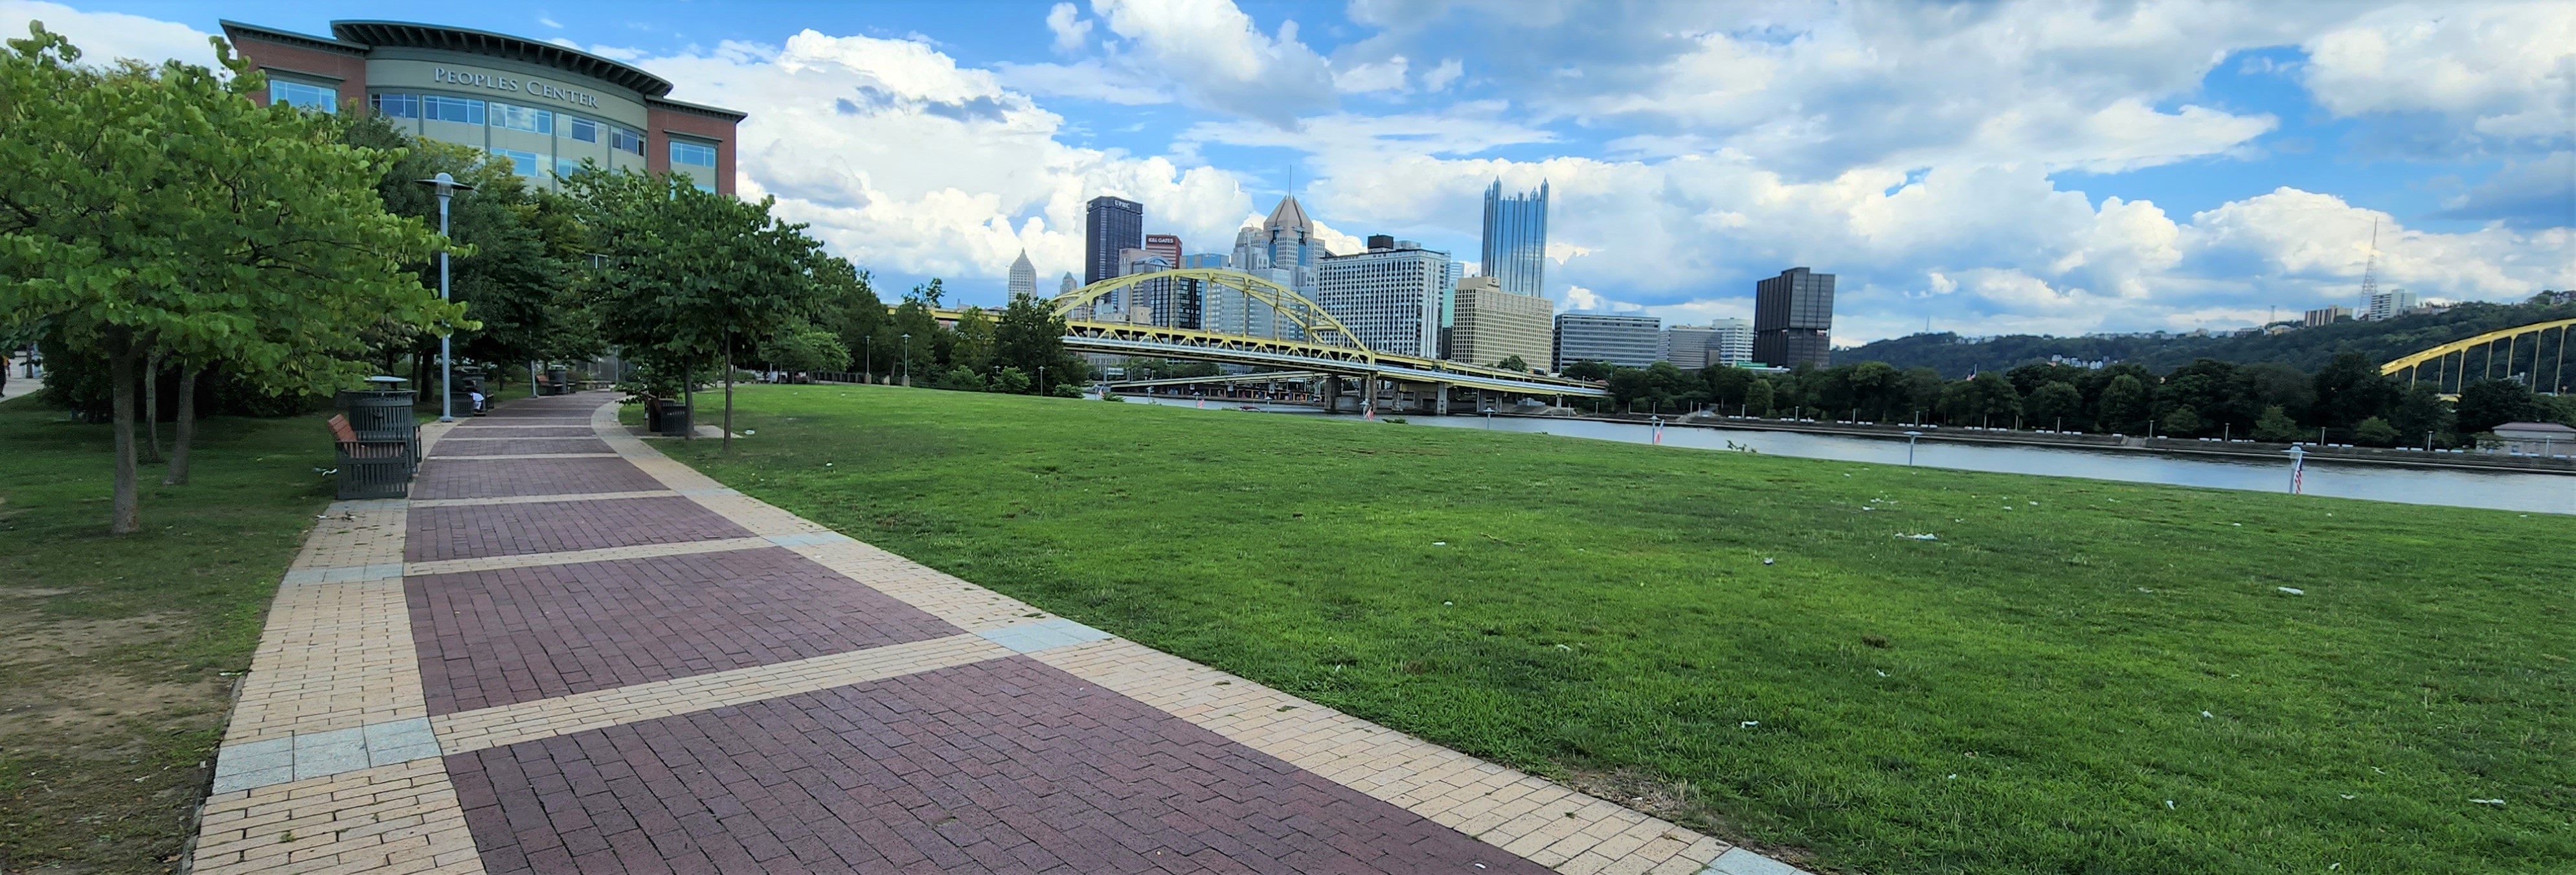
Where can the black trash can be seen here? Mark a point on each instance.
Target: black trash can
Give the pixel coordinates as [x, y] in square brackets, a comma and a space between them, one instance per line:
[653, 415]
[675, 420]
[378, 410]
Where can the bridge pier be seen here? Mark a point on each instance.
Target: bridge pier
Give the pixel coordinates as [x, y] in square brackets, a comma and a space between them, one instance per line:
[1332, 393]
[1439, 399]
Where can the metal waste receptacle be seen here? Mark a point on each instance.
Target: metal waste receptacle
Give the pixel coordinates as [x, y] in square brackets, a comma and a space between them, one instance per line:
[675, 419]
[560, 379]
[383, 413]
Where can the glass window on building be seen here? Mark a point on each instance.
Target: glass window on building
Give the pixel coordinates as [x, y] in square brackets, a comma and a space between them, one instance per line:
[567, 166]
[451, 109]
[526, 164]
[302, 94]
[581, 129]
[694, 154]
[396, 105]
[625, 140]
[522, 118]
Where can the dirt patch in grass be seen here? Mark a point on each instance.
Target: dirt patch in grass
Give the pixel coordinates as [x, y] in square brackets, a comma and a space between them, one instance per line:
[1676, 801]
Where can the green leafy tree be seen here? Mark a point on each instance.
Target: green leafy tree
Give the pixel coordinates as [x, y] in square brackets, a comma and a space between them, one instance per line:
[1028, 336]
[854, 313]
[2276, 426]
[805, 347]
[2375, 432]
[1588, 370]
[694, 275]
[157, 211]
[1726, 385]
[1757, 397]
[1513, 363]
[1986, 399]
[2054, 403]
[1922, 393]
[2181, 422]
[2124, 405]
[2486, 404]
[2421, 414]
[2350, 389]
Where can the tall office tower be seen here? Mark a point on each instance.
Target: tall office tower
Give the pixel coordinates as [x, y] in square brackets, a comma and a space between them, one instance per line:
[1024, 277]
[1251, 249]
[1388, 296]
[1793, 319]
[1109, 224]
[1068, 285]
[1166, 302]
[1516, 239]
[1733, 344]
[1449, 294]
[1629, 341]
[1493, 325]
[1287, 241]
[1204, 261]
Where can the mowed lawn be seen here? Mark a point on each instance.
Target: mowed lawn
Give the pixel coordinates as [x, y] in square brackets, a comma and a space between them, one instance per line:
[118, 654]
[2076, 676]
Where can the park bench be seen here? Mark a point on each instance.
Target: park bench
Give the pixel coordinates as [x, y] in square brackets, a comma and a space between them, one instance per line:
[373, 466]
[550, 387]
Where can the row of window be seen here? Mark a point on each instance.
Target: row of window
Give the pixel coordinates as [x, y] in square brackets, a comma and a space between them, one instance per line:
[507, 116]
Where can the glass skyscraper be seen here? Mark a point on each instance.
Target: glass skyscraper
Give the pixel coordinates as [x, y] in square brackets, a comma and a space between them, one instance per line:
[1516, 239]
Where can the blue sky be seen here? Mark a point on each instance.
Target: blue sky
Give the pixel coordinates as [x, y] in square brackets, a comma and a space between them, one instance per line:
[2059, 167]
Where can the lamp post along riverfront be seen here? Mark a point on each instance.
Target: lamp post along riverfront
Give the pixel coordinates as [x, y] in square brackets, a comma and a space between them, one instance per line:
[446, 186]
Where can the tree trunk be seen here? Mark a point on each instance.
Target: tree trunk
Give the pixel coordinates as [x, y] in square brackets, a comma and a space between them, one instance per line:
[186, 429]
[728, 417]
[125, 515]
[152, 405]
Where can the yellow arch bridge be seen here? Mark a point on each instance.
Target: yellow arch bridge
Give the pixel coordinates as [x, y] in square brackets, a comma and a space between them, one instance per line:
[1261, 324]
[2534, 353]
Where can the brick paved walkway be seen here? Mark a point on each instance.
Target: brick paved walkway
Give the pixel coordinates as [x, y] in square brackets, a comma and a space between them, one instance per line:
[568, 653]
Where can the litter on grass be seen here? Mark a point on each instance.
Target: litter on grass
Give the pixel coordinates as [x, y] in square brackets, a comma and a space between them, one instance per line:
[1766, 560]
[2291, 590]
[1439, 543]
[2207, 715]
[2488, 801]
[1753, 723]
[1926, 536]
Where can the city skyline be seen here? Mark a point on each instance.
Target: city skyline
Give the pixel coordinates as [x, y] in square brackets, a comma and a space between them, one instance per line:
[2209, 165]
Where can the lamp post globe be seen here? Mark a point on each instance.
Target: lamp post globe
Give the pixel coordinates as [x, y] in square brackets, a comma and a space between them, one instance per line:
[446, 187]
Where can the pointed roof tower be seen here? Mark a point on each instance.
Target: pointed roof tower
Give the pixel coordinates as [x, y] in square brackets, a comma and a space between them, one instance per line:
[1024, 276]
[1288, 214]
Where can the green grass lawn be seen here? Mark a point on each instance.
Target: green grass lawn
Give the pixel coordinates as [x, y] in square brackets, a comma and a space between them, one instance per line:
[116, 653]
[2077, 676]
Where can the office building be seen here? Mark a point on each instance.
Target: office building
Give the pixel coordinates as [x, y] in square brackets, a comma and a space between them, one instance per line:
[1516, 239]
[541, 107]
[1686, 346]
[1733, 345]
[1068, 285]
[1491, 325]
[1285, 242]
[1024, 277]
[2326, 316]
[1166, 247]
[1620, 339]
[1388, 296]
[1722, 342]
[1204, 261]
[1793, 319]
[2389, 304]
[1110, 225]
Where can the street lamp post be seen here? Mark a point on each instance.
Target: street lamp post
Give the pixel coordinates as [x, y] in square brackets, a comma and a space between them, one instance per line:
[1041, 381]
[867, 360]
[907, 358]
[446, 186]
[1910, 436]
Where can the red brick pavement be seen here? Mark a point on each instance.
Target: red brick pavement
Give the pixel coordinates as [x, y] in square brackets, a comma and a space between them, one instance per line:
[474, 531]
[500, 637]
[517, 444]
[504, 478]
[1000, 766]
[503, 430]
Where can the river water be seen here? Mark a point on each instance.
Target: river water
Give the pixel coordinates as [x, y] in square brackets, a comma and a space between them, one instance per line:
[2528, 493]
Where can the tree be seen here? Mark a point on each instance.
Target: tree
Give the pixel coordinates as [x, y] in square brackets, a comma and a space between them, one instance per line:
[2486, 404]
[853, 312]
[1028, 336]
[804, 347]
[2054, 403]
[2124, 405]
[2350, 389]
[2375, 432]
[1757, 397]
[694, 275]
[1588, 370]
[150, 210]
[2182, 422]
[2420, 413]
[2276, 426]
[1986, 399]
[1513, 363]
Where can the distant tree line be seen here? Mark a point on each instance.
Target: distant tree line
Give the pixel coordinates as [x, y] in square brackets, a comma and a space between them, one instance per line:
[2307, 349]
[2348, 399]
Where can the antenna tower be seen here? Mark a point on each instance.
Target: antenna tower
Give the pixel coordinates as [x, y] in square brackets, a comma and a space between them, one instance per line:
[2370, 269]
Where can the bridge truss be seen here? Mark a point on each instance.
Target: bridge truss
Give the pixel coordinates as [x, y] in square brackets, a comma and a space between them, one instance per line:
[1306, 338]
[2524, 351]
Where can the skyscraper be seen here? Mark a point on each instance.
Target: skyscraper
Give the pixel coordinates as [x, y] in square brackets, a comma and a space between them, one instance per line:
[1516, 239]
[1491, 325]
[1024, 277]
[1389, 296]
[1287, 242]
[1109, 224]
[1793, 318]
[1733, 344]
[1164, 246]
